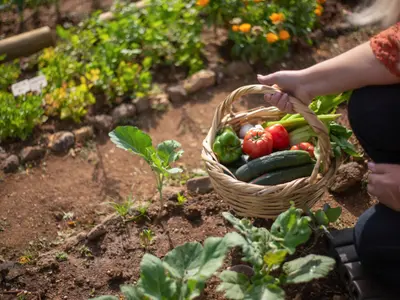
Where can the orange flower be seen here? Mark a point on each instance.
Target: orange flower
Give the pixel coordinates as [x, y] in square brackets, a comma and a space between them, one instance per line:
[277, 18]
[321, 1]
[202, 2]
[235, 28]
[318, 12]
[284, 35]
[245, 27]
[319, 7]
[271, 38]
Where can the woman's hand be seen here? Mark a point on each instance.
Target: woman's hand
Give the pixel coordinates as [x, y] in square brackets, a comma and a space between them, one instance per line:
[291, 83]
[384, 183]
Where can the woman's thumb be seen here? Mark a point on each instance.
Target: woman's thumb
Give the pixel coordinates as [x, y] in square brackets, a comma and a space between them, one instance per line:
[267, 79]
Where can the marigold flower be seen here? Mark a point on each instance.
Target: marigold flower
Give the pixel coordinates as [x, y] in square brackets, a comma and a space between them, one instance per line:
[235, 28]
[277, 18]
[271, 38]
[245, 27]
[202, 2]
[318, 12]
[284, 35]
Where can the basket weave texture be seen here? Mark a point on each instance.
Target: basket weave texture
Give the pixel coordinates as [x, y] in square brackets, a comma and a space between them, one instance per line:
[251, 200]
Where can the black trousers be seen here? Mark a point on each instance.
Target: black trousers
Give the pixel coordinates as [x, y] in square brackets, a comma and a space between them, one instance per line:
[374, 114]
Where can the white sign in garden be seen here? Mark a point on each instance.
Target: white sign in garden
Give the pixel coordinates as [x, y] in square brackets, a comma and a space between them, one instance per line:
[34, 84]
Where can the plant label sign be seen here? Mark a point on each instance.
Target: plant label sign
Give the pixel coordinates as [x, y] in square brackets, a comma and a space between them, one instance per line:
[37, 83]
[20, 88]
[34, 84]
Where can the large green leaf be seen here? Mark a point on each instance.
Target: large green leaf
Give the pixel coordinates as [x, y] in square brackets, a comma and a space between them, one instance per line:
[333, 213]
[132, 139]
[307, 268]
[156, 285]
[184, 261]
[321, 217]
[234, 285]
[132, 292]
[291, 229]
[167, 151]
[265, 291]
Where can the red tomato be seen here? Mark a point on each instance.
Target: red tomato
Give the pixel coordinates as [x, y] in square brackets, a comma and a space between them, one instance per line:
[306, 147]
[257, 143]
[280, 136]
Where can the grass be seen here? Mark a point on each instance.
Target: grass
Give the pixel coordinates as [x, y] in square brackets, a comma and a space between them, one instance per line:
[61, 256]
[146, 237]
[123, 209]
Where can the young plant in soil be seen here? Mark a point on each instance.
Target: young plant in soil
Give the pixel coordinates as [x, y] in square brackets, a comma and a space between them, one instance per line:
[183, 272]
[159, 159]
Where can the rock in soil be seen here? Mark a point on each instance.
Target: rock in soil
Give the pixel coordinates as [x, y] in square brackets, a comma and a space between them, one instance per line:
[123, 112]
[199, 185]
[96, 232]
[10, 164]
[61, 141]
[200, 80]
[160, 101]
[238, 68]
[32, 153]
[142, 104]
[83, 134]
[102, 123]
[177, 93]
[347, 176]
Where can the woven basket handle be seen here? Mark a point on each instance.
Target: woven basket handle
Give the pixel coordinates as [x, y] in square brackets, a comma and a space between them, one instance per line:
[319, 128]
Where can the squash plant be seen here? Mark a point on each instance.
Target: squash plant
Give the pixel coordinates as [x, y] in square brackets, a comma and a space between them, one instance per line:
[183, 272]
[159, 158]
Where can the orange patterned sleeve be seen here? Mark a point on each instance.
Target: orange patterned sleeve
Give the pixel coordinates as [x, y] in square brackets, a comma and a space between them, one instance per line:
[386, 48]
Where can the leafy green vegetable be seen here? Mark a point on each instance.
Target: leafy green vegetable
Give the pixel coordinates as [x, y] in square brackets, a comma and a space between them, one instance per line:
[339, 136]
[136, 141]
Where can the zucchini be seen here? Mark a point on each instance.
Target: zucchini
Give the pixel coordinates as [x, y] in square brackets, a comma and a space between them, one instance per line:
[277, 160]
[284, 175]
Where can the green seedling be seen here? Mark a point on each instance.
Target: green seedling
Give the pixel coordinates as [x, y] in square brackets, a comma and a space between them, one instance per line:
[146, 238]
[61, 256]
[85, 251]
[181, 199]
[123, 209]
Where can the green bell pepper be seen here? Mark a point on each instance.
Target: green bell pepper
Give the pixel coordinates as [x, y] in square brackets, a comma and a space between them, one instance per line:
[227, 146]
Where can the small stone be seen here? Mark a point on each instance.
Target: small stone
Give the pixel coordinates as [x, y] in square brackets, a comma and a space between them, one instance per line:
[347, 176]
[32, 153]
[238, 68]
[142, 104]
[199, 185]
[61, 141]
[10, 164]
[160, 102]
[244, 269]
[200, 80]
[79, 281]
[83, 134]
[96, 232]
[48, 261]
[101, 122]
[123, 112]
[177, 93]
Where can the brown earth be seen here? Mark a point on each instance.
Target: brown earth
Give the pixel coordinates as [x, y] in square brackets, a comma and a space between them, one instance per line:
[34, 202]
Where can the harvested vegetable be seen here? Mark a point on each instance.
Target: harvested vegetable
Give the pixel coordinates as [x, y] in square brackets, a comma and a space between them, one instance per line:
[284, 175]
[305, 147]
[300, 135]
[280, 136]
[339, 136]
[291, 124]
[277, 160]
[257, 143]
[244, 129]
[227, 146]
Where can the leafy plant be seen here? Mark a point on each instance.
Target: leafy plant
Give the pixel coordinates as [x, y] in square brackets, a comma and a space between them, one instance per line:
[10, 72]
[123, 209]
[85, 251]
[159, 159]
[267, 252]
[146, 237]
[19, 115]
[181, 199]
[183, 272]
[61, 256]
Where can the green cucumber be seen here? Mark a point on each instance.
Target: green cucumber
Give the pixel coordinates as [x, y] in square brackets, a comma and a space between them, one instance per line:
[284, 175]
[277, 160]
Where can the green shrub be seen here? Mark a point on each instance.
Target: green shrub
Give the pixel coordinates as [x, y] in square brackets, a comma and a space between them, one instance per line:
[10, 72]
[18, 116]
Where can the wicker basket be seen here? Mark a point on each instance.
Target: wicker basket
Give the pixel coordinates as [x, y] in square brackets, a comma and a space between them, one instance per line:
[250, 200]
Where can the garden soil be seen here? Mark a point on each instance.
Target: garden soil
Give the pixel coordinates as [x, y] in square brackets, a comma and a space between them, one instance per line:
[44, 207]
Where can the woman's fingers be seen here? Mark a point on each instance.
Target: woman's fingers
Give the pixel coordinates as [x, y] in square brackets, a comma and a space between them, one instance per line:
[280, 100]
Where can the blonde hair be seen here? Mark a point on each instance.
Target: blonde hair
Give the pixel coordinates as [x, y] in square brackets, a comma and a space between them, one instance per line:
[380, 12]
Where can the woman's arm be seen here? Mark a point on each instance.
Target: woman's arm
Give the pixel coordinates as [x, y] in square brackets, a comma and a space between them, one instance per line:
[372, 63]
